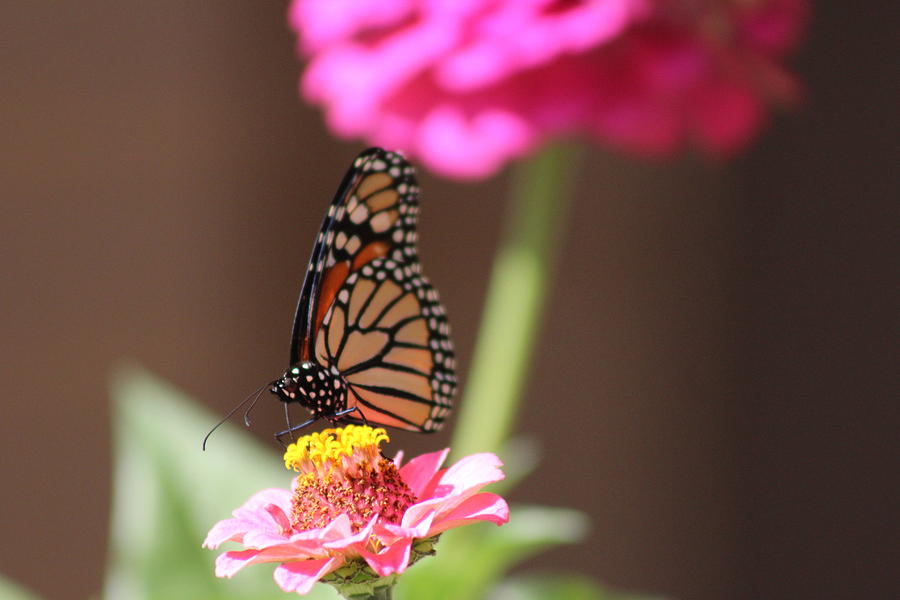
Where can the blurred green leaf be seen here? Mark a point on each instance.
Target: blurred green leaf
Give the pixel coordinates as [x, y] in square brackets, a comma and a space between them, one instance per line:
[167, 493]
[564, 587]
[10, 590]
[472, 559]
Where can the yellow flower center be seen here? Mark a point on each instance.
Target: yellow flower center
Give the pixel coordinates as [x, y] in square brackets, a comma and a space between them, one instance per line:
[342, 471]
[331, 447]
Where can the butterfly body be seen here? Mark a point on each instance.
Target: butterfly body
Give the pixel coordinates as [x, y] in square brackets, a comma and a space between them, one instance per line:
[371, 341]
[322, 391]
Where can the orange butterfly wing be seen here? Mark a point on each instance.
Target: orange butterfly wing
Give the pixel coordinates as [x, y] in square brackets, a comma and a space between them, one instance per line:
[366, 311]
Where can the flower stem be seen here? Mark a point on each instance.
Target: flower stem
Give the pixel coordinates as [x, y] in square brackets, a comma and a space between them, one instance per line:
[515, 299]
[379, 593]
[377, 589]
[385, 593]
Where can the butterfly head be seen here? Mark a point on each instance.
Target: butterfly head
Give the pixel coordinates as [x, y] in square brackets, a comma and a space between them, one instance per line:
[317, 388]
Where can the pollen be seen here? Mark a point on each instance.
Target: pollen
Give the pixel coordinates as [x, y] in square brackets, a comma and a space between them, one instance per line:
[342, 471]
[331, 447]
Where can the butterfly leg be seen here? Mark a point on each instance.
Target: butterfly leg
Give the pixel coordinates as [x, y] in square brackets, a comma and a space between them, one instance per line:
[334, 418]
[362, 417]
[291, 430]
[287, 419]
[337, 416]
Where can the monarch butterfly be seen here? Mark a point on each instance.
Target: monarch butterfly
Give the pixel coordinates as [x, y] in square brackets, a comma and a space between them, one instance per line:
[371, 342]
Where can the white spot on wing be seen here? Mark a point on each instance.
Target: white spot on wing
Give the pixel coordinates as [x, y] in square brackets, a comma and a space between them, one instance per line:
[353, 245]
[379, 223]
[359, 214]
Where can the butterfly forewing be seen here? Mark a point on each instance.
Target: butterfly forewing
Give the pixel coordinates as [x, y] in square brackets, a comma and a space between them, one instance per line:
[366, 313]
[372, 215]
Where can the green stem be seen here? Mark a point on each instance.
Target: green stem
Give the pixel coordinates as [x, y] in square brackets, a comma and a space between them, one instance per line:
[379, 593]
[385, 593]
[515, 299]
[374, 589]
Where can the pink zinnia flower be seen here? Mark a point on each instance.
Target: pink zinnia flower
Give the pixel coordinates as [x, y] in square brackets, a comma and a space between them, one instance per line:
[352, 508]
[466, 85]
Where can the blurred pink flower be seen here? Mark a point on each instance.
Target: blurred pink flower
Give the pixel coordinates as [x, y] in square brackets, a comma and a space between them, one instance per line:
[350, 504]
[466, 85]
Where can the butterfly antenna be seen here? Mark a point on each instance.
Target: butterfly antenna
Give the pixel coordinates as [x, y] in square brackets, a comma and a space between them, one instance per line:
[253, 395]
[252, 404]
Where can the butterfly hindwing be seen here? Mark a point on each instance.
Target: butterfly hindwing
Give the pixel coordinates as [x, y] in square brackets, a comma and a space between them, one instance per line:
[388, 336]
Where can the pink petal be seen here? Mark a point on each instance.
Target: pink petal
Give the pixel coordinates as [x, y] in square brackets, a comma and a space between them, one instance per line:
[518, 35]
[773, 27]
[420, 471]
[461, 481]
[421, 512]
[340, 528]
[392, 559]
[278, 516]
[471, 145]
[481, 507]
[299, 576]
[337, 529]
[467, 85]
[265, 534]
[255, 507]
[259, 538]
[319, 542]
[473, 471]
[263, 516]
[224, 531]
[322, 22]
[229, 563]
[415, 524]
[725, 116]
[349, 540]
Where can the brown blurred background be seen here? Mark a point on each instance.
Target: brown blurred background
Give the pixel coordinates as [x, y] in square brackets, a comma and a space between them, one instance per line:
[720, 353]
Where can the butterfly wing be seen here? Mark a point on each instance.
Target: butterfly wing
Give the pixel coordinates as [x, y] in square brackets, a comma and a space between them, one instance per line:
[389, 337]
[372, 215]
[366, 311]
